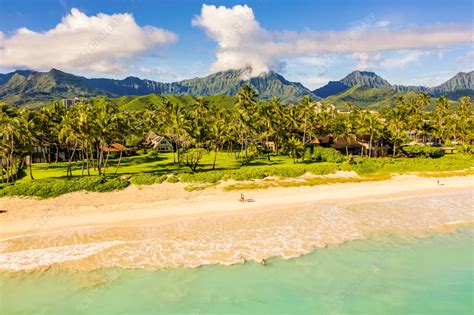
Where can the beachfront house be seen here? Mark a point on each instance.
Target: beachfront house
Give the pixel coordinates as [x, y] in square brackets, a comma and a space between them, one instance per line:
[158, 143]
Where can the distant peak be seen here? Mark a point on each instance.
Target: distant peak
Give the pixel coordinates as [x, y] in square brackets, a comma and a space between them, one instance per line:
[132, 78]
[55, 71]
[366, 78]
[362, 73]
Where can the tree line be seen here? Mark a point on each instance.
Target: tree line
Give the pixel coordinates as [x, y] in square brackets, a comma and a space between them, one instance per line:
[86, 130]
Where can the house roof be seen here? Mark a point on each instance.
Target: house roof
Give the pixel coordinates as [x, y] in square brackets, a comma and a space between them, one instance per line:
[115, 147]
[341, 143]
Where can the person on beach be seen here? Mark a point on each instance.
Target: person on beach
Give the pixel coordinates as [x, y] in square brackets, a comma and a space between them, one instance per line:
[242, 198]
[264, 262]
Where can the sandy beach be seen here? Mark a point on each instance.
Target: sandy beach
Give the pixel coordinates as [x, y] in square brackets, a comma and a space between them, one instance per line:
[164, 202]
[90, 230]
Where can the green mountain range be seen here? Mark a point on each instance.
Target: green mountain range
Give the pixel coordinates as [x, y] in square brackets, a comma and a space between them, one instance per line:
[462, 84]
[363, 88]
[31, 87]
[366, 97]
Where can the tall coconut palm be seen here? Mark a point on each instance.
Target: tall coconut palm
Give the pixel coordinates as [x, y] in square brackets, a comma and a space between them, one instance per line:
[200, 121]
[70, 135]
[343, 129]
[177, 125]
[28, 120]
[371, 125]
[246, 108]
[307, 110]
[12, 137]
[465, 129]
[441, 117]
[295, 148]
[395, 121]
[218, 129]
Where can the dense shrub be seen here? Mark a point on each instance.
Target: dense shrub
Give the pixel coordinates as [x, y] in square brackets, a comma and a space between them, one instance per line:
[248, 173]
[143, 179]
[366, 165]
[252, 172]
[160, 179]
[152, 153]
[147, 179]
[321, 154]
[172, 179]
[422, 151]
[46, 188]
[111, 184]
[465, 148]
[202, 177]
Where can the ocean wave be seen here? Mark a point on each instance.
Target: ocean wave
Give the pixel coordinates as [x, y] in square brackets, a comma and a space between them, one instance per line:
[233, 238]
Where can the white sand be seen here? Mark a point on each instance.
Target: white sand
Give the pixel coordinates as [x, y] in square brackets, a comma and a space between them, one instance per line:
[165, 202]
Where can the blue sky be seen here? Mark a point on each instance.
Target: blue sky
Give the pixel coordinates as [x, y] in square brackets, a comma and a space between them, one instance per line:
[406, 42]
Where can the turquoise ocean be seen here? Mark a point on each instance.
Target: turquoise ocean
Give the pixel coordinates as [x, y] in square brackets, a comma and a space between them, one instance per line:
[386, 274]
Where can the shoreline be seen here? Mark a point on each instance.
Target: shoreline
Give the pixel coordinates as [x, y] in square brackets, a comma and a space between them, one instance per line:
[151, 205]
[170, 228]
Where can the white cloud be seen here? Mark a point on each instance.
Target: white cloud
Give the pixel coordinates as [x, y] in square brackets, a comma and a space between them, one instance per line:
[403, 59]
[242, 42]
[430, 79]
[399, 59]
[98, 44]
[467, 58]
[159, 73]
[382, 23]
[366, 61]
[310, 60]
[146, 70]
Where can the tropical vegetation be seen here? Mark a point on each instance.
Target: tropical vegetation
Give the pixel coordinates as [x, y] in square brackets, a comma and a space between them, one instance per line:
[248, 130]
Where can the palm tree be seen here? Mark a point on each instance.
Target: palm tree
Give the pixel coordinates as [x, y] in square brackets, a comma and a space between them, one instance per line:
[200, 121]
[295, 148]
[423, 100]
[177, 125]
[70, 134]
[306, 110]
[12, 137]
[343, 129]
[371, 125]
[321, 125]
[441, 117]
[246, 108]
[396, 125]
[84, 121]
[28, 121]
[464, 113]
[218, 131]
[277, 122]
[267, 123]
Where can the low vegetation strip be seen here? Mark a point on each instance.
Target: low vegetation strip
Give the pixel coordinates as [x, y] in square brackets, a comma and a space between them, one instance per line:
[307, 182]
[368, 169]
[447, 174]
[46, 188]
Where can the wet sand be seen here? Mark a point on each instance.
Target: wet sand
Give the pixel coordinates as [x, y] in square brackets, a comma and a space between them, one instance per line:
[163, 226]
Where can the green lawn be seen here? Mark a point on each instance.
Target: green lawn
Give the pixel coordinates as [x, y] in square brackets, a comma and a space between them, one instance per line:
[51, 180]
[162, 164]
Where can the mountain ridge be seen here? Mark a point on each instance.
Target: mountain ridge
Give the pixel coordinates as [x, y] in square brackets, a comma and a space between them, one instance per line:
[460, 81]
[28, 86]
[24, 86]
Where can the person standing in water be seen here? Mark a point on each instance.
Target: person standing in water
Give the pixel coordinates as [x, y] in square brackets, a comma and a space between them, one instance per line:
[264, 262]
